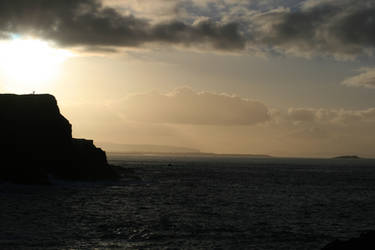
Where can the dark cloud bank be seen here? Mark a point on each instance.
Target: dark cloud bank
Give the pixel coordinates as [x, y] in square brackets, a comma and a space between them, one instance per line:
[339, 28]
[89, 23]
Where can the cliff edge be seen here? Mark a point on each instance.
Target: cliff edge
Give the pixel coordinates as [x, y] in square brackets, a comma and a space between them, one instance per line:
[36, 143]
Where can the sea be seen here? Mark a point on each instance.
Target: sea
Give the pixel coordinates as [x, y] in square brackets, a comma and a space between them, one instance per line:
[191, 202]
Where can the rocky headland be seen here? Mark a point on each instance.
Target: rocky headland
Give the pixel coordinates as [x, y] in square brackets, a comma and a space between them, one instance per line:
[36, 144]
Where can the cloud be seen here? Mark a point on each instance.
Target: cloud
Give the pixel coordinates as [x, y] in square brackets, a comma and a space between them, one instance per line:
[89, 23]
[301, 114]
[338, 28]
[333, 116]
[155, 10]
[185, 106]
[223, 123]
[365, 79]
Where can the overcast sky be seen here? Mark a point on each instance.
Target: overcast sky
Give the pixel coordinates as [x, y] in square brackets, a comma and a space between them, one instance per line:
[287, 78]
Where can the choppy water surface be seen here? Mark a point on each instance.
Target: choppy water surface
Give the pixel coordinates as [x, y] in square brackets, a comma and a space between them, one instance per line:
[196, 203]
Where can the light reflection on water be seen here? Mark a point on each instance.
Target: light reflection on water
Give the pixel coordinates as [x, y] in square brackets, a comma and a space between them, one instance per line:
[196, 203]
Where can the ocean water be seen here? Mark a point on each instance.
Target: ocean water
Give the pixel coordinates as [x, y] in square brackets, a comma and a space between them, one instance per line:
[167, 202]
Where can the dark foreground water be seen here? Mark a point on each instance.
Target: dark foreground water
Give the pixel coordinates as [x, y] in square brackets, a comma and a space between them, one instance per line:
[196, 203]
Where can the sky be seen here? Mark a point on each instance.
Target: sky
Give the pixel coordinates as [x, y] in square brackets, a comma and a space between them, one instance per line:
[285, 78]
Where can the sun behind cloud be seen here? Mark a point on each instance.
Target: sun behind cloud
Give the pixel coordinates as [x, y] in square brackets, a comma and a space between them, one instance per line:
[29, 64]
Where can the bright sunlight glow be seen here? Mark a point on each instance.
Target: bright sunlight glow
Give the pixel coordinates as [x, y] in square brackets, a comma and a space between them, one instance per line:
[28, 65]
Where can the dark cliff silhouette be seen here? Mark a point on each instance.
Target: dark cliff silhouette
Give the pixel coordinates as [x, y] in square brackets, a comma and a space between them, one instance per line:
[36, 143]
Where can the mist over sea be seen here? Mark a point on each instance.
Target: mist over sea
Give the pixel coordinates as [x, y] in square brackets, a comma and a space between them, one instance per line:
[168, 202]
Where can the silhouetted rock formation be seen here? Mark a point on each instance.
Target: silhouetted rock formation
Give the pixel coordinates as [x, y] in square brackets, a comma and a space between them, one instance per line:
[36, 142]
[366, 241]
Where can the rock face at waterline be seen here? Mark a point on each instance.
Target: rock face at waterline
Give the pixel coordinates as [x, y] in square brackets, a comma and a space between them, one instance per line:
[36, 143]
[366, 241]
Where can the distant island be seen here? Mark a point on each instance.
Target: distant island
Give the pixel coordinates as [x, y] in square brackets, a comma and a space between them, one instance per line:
[347, 157]
[37, 145]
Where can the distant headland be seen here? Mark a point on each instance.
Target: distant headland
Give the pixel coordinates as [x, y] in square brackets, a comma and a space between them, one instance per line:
[146, 148]
[347, 157]
[37, 145]
[166, 150]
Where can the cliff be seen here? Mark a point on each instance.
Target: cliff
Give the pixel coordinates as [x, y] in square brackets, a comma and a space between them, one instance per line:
[36, 143]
